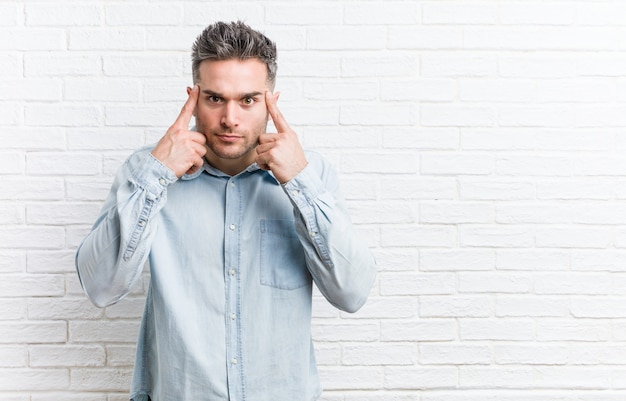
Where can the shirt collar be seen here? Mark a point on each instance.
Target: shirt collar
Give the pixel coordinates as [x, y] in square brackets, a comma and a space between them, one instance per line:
[209, 169]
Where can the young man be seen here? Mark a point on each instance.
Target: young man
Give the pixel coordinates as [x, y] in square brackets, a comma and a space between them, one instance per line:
[236, 224]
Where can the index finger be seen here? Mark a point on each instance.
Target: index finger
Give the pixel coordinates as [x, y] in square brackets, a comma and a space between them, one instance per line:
[277, 117]
[183, 119]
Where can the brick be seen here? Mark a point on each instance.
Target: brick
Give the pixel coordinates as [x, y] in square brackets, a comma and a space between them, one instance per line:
[31, 237]
[458, 13]
[536, 306]
[415, 378]
[418, 188]
[44, 115]
[378, 12]
[103, 331]
[533, 259]
[399, 163]
[425, 37]
[341, 137]
[93, 189]
[106, 39]
[446, 64]
[457, 260]
[369, 354]
[61, 64]
[120, 355]
[430, 329]
[455, 212]
[11, 214]
[13, 308]
[62, 163]
[33, 139]
[386, 308]
[62, 309]
[29, 39]
[507, 283]
[32, 332]
[47, 261]
[350, 378]
[13, 357]
[349, 331]
[455, 306]
[452, 115]
[63, 14]
[91, 379]
[23, 285]
[496, 236]
[28, 188]
[454, 354]
[11, 163]
[397, 64]
[568, 330]
[381, 114]
[497, 329]
[23, 379]
[201, 13]
[9, 14]
[10, 64]
[31, 89]
[573, 237]
[428, 138]
[142, 65]
[537, 13]
[346, 38]
[417, 284]
[70, 356]
[143, 14]
[493, 188]
[327, 14]
[419, 236]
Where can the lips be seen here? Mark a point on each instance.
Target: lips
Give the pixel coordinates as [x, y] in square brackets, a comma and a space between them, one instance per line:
[228, 138]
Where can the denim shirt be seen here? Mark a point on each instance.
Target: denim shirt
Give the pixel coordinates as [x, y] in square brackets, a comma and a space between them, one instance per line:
[232, 261]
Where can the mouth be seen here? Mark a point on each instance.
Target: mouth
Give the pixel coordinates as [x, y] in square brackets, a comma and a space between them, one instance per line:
[228, 137]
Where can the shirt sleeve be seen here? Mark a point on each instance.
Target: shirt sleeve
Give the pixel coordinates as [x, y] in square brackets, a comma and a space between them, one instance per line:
[342, 266]
[111, 257]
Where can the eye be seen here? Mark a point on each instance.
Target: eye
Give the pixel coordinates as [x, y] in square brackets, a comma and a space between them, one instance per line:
[213, 99]
[248, 101]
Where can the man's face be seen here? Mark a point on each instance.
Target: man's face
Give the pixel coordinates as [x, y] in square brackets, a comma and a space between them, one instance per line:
[231, 110]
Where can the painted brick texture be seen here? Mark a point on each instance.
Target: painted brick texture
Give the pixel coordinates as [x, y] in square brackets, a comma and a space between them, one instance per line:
[480, 147]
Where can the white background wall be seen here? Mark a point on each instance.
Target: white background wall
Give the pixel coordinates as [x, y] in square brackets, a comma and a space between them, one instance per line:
[481, 148]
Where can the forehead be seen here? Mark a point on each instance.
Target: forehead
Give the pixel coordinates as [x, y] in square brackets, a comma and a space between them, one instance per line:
[233, 76]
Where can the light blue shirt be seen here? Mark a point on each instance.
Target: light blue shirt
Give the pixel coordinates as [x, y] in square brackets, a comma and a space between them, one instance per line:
[232, 261]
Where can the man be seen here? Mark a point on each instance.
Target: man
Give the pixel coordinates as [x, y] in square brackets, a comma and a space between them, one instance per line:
[236, 224]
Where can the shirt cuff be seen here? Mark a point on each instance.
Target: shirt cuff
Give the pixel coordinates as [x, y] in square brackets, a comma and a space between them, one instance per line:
[149, 173]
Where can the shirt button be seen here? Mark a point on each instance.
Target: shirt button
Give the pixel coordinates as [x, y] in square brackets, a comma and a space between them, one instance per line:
[232, 316]
[234, 361]
[313, 233]
[232, 227]
[232, 184]
[295, 192]
[162, 181]
[232, 272]
[142, 223]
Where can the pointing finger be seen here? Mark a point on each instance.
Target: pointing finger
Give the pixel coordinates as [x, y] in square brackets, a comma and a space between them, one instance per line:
[279, 121]
[188, 109]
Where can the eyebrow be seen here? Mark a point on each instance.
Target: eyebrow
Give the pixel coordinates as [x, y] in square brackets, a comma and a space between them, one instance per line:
[242, 96]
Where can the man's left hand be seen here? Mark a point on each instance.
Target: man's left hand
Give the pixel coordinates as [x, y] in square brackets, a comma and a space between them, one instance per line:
[281, 152]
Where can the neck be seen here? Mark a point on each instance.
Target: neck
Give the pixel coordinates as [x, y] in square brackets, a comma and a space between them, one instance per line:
[231, 167]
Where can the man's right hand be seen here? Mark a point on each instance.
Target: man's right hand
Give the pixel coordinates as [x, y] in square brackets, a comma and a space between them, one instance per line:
[181, 150]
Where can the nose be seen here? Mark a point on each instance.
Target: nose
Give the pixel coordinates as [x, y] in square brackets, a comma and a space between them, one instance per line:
[230, 118]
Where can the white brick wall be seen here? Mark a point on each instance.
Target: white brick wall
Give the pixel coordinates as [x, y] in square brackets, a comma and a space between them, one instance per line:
[480, 144]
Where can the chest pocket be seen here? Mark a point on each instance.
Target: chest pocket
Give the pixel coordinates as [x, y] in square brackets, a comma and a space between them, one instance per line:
[282, 256]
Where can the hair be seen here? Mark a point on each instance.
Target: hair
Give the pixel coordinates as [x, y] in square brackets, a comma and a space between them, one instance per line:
[235, 40]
